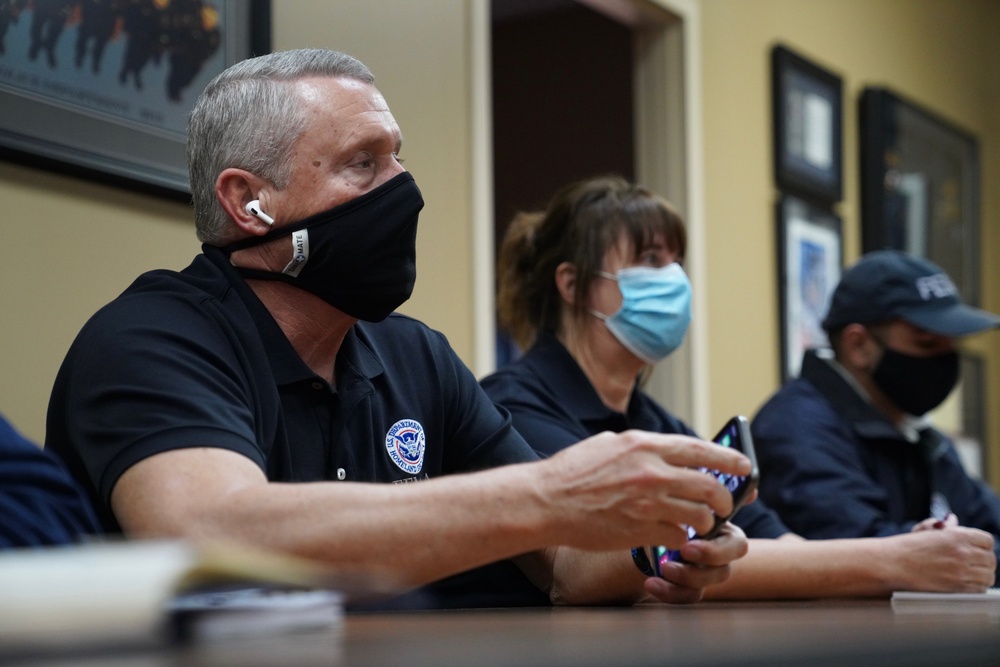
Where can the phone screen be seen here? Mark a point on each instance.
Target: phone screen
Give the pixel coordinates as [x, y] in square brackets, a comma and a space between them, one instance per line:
[735, 434]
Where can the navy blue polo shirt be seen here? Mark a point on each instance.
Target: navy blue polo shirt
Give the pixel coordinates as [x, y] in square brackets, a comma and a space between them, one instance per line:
[194, 359]
[553, 406]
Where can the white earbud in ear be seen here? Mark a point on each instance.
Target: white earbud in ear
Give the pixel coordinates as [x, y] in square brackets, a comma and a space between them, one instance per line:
[253, 208]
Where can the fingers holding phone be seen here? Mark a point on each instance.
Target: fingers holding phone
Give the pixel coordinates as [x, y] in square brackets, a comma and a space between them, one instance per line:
[728, 544]
[705, 563]
[613, 488]
[735, 436]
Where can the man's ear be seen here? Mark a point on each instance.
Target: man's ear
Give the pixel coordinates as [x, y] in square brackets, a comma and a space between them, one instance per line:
[566, 282]
[858, 349]
[235, 188]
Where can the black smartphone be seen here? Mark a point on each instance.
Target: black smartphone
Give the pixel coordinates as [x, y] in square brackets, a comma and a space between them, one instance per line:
[735, 434]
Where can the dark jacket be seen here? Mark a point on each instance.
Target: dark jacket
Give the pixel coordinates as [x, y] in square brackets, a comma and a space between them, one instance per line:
[833, 466]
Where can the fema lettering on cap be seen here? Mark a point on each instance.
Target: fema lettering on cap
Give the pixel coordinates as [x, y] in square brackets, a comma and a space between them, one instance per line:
[889, 284]
[936, 287]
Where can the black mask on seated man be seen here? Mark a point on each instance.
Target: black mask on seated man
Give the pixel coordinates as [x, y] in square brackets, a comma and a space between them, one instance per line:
[360, 257]
[916, 384]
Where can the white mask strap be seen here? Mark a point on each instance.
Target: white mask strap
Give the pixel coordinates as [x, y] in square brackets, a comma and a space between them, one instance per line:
[300, 253]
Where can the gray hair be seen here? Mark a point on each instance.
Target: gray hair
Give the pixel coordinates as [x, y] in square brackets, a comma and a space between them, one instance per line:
[247, 118]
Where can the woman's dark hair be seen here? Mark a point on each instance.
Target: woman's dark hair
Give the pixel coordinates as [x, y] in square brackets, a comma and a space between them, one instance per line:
[582, 222]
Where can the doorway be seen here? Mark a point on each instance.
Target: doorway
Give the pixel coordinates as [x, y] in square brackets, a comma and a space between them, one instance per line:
[582, 88]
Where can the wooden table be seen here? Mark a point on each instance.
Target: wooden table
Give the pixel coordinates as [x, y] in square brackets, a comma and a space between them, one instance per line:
[815, 634]
[806, 633]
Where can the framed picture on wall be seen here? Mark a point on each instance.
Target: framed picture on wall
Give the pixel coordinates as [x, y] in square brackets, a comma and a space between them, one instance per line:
[811, 253]
[808, 127]
[920, 186]
[103, 90]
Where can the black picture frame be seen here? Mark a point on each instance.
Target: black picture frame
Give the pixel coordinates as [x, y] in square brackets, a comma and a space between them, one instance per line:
[808, 115]
[811, 257]
[919, 186]
[117, 113]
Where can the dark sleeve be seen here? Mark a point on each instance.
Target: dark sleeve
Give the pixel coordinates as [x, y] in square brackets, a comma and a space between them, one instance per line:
[40, 504]
[542, 421]
[974, 503]
[147, 376]
[479, 432]
[812, 472]
[759, 521]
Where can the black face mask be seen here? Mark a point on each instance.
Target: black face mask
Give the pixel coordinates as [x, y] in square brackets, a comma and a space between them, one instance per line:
[360, 257]
[916, 384]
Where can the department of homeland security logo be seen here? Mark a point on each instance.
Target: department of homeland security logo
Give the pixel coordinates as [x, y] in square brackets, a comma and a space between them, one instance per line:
[405, 443]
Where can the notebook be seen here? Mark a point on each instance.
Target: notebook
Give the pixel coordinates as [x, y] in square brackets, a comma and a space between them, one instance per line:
[137, 593]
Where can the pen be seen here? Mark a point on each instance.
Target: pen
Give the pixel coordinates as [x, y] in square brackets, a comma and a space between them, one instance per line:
[940, 509]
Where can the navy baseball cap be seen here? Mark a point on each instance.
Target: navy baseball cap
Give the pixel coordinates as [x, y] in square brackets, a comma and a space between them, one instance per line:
[889, 284]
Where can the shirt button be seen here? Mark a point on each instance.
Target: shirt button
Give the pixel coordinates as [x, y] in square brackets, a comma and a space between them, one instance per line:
[317, 385]
[341, 474]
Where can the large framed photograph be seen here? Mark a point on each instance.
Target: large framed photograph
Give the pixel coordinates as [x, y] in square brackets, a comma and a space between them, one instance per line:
[808, 127]
[920, 186]
[102, 88]
[811, 253]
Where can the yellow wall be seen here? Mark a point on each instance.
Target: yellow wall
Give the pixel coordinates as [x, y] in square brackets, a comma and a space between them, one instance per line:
[419, 54]
[71, 245]
[942, 54]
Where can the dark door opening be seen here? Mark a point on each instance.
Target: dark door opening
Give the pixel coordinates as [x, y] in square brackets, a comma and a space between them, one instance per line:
[562, 105]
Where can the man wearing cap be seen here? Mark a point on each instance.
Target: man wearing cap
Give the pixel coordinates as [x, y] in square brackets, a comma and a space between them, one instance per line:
[844, 450]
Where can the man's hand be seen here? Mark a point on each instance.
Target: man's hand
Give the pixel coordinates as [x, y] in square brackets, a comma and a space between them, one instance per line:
[613, 491]
[950, 559]
[706, 562]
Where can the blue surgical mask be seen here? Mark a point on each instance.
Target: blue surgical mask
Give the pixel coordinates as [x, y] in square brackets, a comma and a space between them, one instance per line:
[655, 311]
